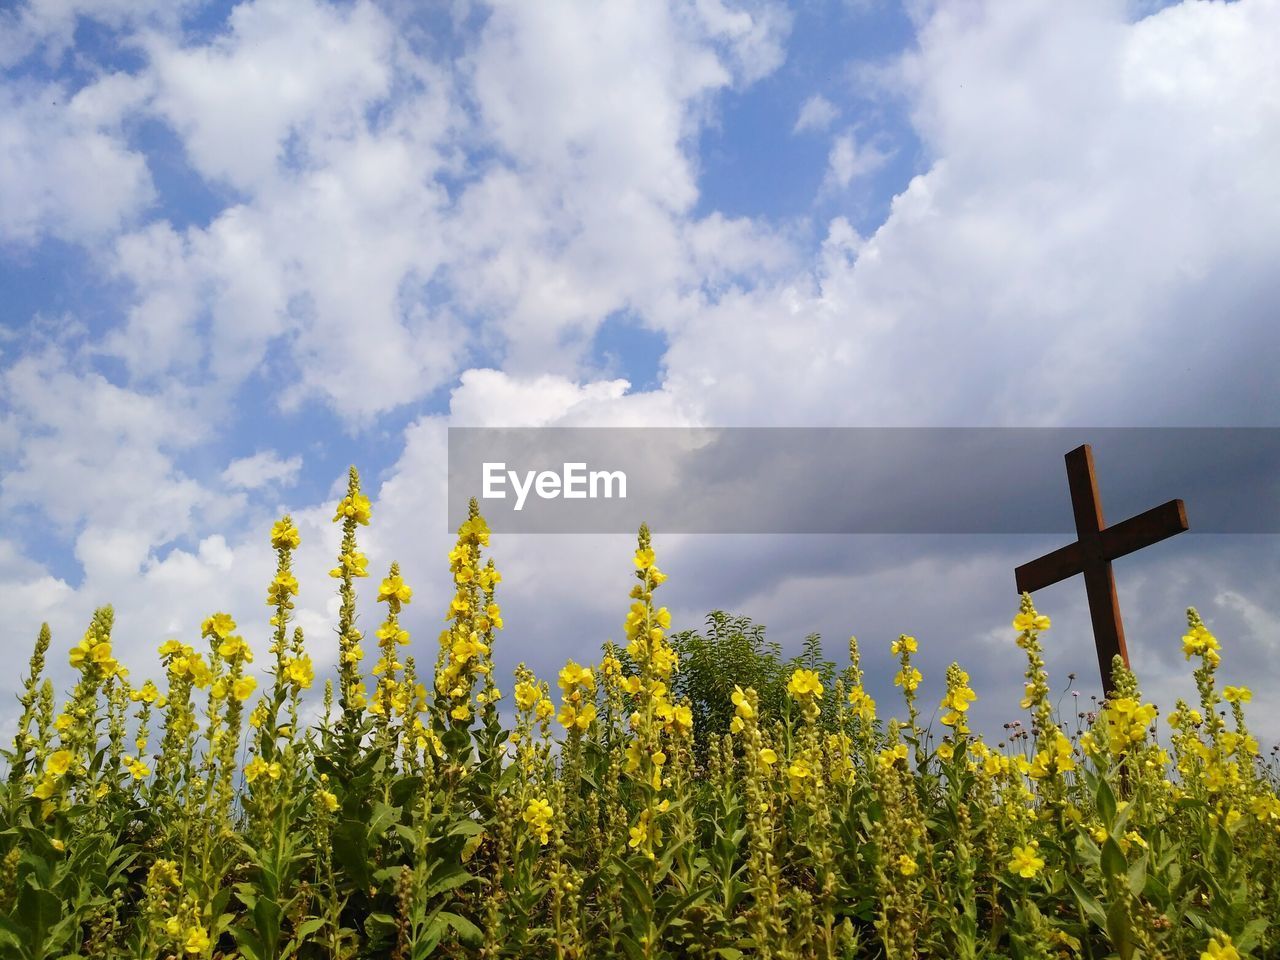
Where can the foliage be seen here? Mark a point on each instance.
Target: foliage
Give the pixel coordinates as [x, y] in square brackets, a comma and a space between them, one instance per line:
[700, 799]
[733, 652]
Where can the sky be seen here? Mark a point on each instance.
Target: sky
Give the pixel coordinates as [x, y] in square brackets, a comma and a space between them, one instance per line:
[243, 246]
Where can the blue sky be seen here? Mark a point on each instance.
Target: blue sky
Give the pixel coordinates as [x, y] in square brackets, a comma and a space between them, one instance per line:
[245, 245]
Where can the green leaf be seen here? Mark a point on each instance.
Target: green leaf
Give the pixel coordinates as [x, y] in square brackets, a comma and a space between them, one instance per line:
[1251, 934]
[677, 909]
[1113, 862]
[467, 931]
[449, 882]
[11, 933]
[1118, 929]
[351, 851]
[308, 927]
[266, 914]
[379, 924]
[1138, 875]
[39, 910]
[1091, 907]
[1105, 799]
[382, 818]
[247, 943]
[643, 899]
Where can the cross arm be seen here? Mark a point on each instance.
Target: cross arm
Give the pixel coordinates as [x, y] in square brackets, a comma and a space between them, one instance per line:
[1158, 523]
[1051, 568]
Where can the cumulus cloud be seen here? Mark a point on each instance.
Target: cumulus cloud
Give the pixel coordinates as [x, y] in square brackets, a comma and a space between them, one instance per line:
[1097, 203]
[409, 237]
[264, 468]
[66, 170]
[284, 69]
[46, 28]
[94, 452]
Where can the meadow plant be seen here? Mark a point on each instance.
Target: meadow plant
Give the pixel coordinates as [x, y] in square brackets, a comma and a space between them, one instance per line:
[623, 810]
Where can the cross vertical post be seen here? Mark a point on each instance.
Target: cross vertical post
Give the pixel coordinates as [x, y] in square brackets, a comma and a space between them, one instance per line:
[1099, 579]
[1091, 555]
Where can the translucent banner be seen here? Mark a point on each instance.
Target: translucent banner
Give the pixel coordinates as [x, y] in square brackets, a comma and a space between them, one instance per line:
[855, 480]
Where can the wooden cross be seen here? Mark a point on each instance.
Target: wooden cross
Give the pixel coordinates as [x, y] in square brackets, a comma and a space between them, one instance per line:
[1095, 547]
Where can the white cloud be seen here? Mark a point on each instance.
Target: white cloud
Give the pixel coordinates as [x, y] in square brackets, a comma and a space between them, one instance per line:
[1093, 239]
[338, 227]
[587, 213]
[286, 68]
[264, 468]
[98, 453]
[65, 169]
[1097, 224]
[816, 114]
[47, 27]
[849, 160]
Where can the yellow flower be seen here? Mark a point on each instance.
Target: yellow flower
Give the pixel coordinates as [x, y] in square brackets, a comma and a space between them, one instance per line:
[327, 800]
[300, 672]
[1030, 622]
[1025, 861]
[395, 591]
[907, 866]
[578, 718]
[1199, 641]
[219, 625]
[908, 679]
[526, 695]
[1237, 694]
[805, 683]
[742, 706]
[904, 642]
[768, 757]
[197, 940]
[46, 788]
[244, 687]
[537, 814]
[1220, 947]
[234, 646]
[682, 719]
[892, 755]
[863, 705]
[284, 535]
[958, 700]
[201, 675]
[355, 506]
[572, 676]
[59, 762]
[393, 632]
[254, 769]
[137, 769]
[798, 770]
